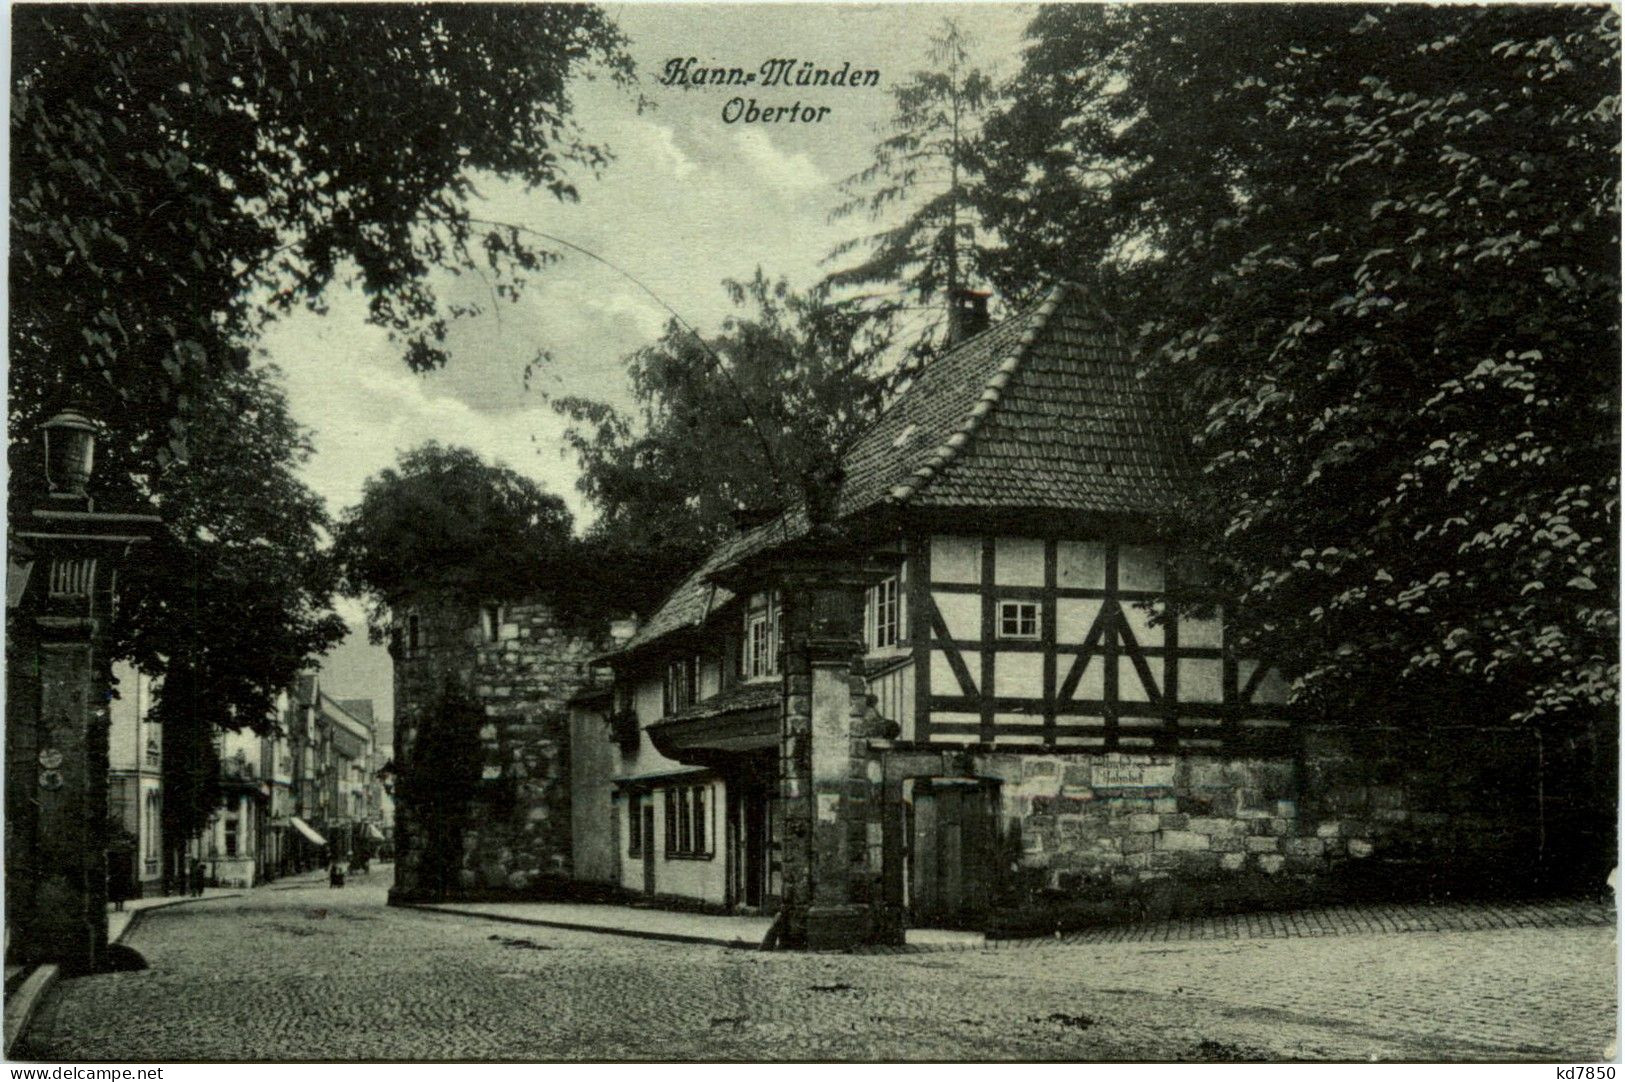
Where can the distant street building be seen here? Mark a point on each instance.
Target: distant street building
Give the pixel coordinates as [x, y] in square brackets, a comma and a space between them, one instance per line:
[135, 786]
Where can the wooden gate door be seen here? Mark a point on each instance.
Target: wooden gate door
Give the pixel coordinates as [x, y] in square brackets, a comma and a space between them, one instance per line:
[953, 858]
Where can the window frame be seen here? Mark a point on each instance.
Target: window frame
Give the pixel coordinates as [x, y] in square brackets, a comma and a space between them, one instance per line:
[1023, 608]
[688, 821]
[877, 605]
[761, 616]
[491, 619]
[680, 688]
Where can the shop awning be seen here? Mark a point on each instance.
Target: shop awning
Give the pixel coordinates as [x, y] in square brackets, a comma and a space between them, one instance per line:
[307, 830]
[374, 833]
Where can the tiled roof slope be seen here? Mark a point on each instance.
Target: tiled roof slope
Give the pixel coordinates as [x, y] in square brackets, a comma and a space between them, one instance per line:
[696, 598]
[1045, 411]
[930, 410]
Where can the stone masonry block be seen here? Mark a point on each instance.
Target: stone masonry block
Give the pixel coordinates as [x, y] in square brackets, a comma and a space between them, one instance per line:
[1329, 829]
[1359, 848]
[1232, 862]
[1270, 863]
[1136, 843]
[1303, 847]
[1266, 844]
[1144, 823]
[1174, 821]
[1181, 840]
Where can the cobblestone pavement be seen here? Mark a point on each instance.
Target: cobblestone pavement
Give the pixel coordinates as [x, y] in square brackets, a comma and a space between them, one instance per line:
[302, 972]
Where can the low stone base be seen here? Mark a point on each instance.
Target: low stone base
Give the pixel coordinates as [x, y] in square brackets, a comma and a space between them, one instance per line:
[842, 927]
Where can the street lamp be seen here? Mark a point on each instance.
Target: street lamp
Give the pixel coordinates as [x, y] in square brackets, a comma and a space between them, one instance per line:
[70, 451]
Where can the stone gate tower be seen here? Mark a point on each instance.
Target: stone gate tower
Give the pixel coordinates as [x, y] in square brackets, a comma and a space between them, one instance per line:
[516, 665]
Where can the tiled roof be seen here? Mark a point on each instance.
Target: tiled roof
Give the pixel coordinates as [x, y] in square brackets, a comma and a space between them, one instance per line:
[697, 598]
[909, 435]
[1044, 411]
[737, 700]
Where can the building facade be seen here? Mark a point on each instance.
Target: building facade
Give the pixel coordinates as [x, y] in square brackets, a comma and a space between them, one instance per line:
[135, 787]
[969, 682]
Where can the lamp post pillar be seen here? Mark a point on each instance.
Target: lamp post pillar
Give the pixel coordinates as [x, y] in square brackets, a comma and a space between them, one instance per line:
[60, 594]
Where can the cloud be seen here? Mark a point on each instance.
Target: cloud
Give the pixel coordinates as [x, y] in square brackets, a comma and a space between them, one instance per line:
[776, 170]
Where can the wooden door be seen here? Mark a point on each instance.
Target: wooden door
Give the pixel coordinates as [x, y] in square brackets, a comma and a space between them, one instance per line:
[648, 847]
[953, 851]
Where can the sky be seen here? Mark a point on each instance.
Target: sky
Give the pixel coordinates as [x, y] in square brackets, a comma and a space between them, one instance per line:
[688, 201]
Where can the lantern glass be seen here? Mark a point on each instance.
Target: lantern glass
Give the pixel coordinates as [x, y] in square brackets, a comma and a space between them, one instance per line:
[70, 451]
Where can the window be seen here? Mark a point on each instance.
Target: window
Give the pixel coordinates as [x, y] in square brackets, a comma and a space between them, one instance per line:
[153, 753]
[231, 837]
[634, 816]
[682, 684]
[686, 822]
[1018, 619]
[883, 613]
[490, 622]
[762, 637]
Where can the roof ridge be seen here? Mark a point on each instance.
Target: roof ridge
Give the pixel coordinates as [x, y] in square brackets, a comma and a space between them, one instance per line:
[949, 449]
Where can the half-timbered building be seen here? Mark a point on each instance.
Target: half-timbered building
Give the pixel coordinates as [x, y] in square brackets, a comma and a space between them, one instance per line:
[1042, 698]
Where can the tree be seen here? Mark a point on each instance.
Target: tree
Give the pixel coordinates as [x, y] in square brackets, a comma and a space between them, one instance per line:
[1376, 253]
[182, 173]
[738, 423]
[237, 597]
[447, 522]
[932, 251]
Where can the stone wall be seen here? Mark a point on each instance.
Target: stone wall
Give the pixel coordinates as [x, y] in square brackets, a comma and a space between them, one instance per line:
[517, 833]
[1353, 813]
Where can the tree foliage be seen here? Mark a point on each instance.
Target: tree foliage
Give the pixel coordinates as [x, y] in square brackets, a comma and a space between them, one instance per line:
[447, 522]
[236, 596]
[175, 166]
[740, 422]
[922, 172]
[1376, 251]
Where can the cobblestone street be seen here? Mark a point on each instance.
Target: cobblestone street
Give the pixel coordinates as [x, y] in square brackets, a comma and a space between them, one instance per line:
[299, 972]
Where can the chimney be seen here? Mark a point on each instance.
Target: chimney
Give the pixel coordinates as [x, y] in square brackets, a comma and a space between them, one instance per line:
[970, 314]
[622, 630]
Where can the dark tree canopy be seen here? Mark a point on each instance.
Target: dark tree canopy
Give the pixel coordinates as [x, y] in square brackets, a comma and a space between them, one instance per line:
[1376, 251]
[445, 521]
[736, 423]
[182, 173]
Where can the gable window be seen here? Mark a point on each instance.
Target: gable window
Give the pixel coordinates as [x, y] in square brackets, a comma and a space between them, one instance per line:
[1018, 619]
[883, 614]
[682, 683]
[686, 822]
[762, 638]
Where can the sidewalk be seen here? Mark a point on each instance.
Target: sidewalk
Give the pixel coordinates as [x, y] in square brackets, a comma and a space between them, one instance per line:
[119, 921]
[670, 925]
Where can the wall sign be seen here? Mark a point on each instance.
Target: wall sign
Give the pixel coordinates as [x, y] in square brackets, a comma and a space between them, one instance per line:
[1131, 775]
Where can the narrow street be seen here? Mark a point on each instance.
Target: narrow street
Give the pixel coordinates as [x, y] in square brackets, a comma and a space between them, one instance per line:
[301, 972]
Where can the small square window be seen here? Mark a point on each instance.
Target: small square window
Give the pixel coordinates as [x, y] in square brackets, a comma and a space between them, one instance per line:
[1018, 619]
